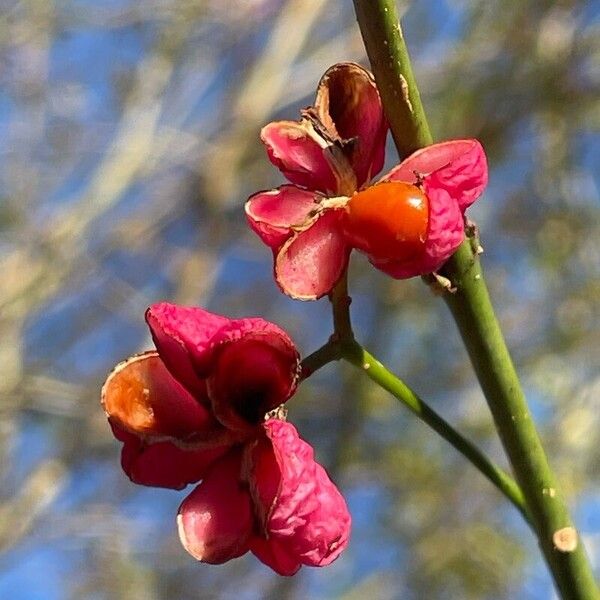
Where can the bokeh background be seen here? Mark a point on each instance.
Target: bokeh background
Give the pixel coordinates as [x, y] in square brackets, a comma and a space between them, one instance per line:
[128, 144]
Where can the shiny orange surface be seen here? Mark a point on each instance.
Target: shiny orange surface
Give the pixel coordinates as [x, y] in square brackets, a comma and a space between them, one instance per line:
[388, 220]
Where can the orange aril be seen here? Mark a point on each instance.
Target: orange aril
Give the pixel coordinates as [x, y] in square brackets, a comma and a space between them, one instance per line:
[388, 220]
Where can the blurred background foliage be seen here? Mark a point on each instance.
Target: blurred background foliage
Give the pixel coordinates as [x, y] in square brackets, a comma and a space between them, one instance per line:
[129, 142]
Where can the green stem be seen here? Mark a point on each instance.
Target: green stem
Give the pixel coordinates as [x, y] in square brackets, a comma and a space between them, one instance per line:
[472, 309]
[340, 304]
[359, 357]
[382, 35]
[319, 358]
[473, 312]
[342, 331]
[343, 345]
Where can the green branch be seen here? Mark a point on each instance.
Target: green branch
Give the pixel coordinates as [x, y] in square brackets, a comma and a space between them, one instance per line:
[319, 358]
[375, 371]
[343, 345]
[342, 331]
[340, 304]
[472, 310]
[382, 35]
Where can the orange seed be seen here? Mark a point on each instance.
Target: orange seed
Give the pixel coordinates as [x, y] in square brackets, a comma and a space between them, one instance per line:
[388, 221]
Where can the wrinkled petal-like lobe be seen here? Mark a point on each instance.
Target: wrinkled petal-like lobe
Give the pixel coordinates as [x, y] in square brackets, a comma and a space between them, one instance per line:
[141, 396]
[272, 214]
[445, 233]
[309, 264]
[182, 335]
[300, 153]
[458, 166]
[304, 517]
[215, 521]
[163, 464]
[275, 554]
[255, 369]
[347, 97]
